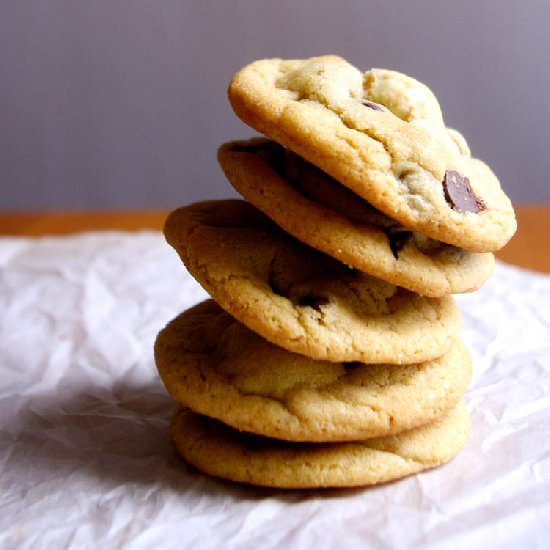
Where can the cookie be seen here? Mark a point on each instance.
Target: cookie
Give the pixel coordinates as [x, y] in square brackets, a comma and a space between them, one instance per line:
[314, 208]
[214, 365]
[382, 135]
[223, 452]
[300, 299]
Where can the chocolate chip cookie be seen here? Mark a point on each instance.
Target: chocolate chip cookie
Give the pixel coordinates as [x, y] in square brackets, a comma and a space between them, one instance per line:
[214, 365]
[313, 207]
[382, 135]
[223, 452]
[300, 299]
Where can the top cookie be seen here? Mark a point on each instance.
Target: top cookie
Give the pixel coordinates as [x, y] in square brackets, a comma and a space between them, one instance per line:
[381, 134]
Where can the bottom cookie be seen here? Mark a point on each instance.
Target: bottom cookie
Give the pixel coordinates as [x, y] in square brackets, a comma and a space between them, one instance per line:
[223, 452]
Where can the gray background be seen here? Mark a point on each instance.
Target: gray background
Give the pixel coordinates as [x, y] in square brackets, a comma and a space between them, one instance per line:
[121, 104]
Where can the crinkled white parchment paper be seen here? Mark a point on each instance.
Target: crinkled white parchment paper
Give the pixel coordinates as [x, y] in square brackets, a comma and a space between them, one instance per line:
[85, 458]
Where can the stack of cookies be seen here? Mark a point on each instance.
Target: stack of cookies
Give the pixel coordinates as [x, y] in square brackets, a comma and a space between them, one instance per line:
[330, 354]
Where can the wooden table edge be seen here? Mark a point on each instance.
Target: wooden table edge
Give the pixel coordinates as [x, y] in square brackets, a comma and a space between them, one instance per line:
[529, 248]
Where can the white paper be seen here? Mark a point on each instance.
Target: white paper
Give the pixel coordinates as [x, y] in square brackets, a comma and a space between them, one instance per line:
[86, 461]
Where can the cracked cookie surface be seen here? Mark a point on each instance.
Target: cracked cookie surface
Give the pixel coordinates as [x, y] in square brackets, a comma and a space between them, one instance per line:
[300, 299]
[226, 453]
[382, 135]
[214, 365]
[314, 208]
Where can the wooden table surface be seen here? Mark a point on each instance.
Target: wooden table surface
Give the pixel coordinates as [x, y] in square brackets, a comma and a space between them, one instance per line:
[529, 248]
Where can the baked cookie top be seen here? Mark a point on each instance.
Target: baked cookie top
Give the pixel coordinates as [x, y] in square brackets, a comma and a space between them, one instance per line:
[216, 366]
[380, 133]
[223, 452]
[300, 299]
[313, 207]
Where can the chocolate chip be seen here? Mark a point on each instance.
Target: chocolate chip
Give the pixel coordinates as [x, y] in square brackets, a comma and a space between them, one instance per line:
[459, 193]
[313, 301]
[398, 239]
[371, 105]
[351, 364]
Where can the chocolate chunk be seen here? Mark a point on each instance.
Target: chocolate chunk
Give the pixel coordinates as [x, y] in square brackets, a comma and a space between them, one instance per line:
[398, 239]
[371, 105]
[351, 364]
[313, 301]
[459, 194]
